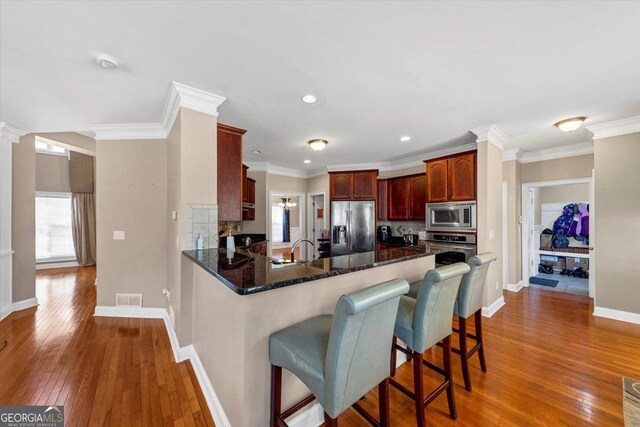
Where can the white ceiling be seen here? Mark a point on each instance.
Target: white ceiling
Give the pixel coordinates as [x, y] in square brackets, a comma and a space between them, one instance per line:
[380, 70]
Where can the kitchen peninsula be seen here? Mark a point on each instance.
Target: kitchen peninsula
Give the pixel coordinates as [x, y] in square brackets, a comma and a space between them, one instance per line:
[232, 302]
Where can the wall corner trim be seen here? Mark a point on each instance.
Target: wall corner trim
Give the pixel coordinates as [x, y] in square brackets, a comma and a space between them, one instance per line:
[493, 308]
[10, 133]
[180, 96]
[17, 306]
[515, 288]
[492, 134]
[623, 316]
[615, 128]
[180, 354]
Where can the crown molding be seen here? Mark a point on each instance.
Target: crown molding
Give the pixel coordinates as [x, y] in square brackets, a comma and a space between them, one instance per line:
[513, 154]
[276, 170]
[180, 96]
[10, 133]
[492, 134]
[615, 128]
[553, 153]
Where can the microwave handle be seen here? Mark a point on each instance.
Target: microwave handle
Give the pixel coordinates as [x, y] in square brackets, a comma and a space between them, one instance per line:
[473, 219]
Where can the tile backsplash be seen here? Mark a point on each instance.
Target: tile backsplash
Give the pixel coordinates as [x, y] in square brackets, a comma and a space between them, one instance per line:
[398, 228]
[202, 220]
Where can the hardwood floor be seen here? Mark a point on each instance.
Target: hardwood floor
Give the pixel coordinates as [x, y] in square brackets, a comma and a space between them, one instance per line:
[105, 371]
[549, 363]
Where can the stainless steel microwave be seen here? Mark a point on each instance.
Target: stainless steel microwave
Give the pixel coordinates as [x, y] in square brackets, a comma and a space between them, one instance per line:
[451, 216]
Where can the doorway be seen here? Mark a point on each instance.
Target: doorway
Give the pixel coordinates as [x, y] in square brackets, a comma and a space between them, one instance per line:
[286, 213]
[557, 236]
[317, 220]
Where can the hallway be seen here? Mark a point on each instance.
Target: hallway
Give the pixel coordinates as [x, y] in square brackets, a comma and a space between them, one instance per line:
[105, 371]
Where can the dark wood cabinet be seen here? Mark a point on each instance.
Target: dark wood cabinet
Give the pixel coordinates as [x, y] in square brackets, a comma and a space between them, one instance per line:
[398, 200]
[251, 190]
[452, 179]
[382, 200]
[230, 173]
[353, 185]
[340, 185]
[437, 181]
[417, 197]
[462, 177]
[245, 193]
[248, 214]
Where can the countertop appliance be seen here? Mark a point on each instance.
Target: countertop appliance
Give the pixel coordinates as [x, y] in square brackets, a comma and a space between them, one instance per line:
[410, 239]
[352, 227]
[450, 248]
[451, 216]
[384, 233]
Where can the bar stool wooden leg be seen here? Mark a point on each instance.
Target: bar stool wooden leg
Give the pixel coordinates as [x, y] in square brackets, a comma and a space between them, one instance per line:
[418, 388]
[276, 394]
[478, 321]
[446, 353]
[383, 402]
[464, 352]
[329, 422]
[393, 356]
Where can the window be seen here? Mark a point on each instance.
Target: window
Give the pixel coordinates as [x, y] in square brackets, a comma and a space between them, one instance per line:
[54, 240]
[276, 223]
[43, 147]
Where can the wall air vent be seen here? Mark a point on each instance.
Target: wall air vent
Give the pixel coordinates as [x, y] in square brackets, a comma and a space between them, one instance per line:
[128, 300]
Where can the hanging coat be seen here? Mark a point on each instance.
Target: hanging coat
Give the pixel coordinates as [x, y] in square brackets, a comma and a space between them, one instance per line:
[584, 219]
[562, 225]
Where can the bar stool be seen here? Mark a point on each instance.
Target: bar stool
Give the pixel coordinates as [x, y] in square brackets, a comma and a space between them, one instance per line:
[339, 357]
[422, 323]
[469, 303]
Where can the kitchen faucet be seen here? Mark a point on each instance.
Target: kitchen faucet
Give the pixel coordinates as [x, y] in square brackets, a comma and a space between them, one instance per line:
[293, 247]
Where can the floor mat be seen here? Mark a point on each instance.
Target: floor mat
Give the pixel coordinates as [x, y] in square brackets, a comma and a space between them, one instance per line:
[544, 282]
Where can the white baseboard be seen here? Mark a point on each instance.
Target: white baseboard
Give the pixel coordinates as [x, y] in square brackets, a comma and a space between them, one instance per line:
[311, 415]
[180, 354]
[493, 308]
[624, 316]
[515, 288]
[135, 312]
[17, 306]
[62, 264]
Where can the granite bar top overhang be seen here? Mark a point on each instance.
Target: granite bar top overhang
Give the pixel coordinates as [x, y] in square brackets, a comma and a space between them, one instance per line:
[248, 273]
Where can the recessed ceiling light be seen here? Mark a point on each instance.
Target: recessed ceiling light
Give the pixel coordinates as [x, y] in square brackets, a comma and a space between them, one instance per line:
[318, 144]
[309, 99]
[307, 161]
[256, 151]
[107, 61]
[569, 125]
[405, 138]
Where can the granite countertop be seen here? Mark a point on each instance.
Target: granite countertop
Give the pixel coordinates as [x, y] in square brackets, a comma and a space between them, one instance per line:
[247, 273]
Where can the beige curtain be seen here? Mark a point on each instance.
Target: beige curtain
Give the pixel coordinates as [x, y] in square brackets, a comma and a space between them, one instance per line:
[84, 228]
[83, 222]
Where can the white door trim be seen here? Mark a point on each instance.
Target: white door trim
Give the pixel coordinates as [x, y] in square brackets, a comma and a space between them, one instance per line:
[311, 213]
[505, 235]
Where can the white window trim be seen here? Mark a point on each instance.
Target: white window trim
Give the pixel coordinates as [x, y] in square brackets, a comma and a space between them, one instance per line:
[52, 153]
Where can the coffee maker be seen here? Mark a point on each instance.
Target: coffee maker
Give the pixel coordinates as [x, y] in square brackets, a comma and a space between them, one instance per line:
[384, 233]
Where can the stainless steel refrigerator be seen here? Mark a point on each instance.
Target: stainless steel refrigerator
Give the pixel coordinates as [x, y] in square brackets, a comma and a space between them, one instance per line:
[352, 227]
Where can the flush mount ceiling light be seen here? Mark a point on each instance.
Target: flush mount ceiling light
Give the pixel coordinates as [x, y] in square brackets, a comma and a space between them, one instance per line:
[256, 151]
[308, 99]
[405, 138]
[307, 161]
[569, 125]
[318, 144]
[107, 61]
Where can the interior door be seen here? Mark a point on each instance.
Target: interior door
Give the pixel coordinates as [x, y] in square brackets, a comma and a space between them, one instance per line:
[592, 238]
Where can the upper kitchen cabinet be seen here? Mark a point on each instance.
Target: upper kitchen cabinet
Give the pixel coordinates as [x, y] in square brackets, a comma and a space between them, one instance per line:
[462, 177]
[398, 199]
[251, 191]
[452, 179]
[245, 194]
[437, 181]
[382, 199]
[356, 185]
[417, 197]
[230, 173]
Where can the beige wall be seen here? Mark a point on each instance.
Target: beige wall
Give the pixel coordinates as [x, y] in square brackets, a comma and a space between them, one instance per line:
[23, 227]
[617, 216]
[132, 196]
[52, 173]
[318, 184]
[565, 193]
[556, 169]
[259, 225]
[490, 215]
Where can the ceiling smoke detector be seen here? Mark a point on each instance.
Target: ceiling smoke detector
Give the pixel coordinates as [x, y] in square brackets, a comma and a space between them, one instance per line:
[107, 61]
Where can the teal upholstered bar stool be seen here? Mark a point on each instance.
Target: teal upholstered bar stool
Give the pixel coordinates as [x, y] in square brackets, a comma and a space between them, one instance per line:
[339, 357]
[469, 303]
[423, 322]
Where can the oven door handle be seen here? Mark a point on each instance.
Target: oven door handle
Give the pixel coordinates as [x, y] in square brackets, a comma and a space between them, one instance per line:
[467, 248]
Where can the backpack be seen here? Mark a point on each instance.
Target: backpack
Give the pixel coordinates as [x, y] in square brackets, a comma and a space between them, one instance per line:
[544, 268]
[560, 241]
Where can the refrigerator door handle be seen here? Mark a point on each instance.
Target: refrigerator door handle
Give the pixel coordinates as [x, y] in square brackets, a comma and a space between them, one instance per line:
[348, 231]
